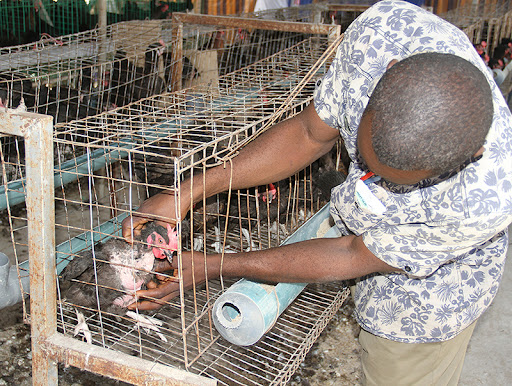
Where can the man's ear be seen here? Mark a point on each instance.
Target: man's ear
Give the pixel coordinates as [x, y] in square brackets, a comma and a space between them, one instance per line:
[391, 64]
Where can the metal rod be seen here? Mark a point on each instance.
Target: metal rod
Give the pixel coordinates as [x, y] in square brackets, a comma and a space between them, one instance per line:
[101, 7]
[177, 56]
[38, 132]
[237, 22]
[124, 367]
[347, 7]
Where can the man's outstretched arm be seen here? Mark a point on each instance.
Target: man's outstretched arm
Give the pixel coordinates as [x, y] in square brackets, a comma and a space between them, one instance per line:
[278, 153]
[318, 260]
[312, 261]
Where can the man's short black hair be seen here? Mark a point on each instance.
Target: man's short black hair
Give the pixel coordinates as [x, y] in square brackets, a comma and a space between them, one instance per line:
[432, 111]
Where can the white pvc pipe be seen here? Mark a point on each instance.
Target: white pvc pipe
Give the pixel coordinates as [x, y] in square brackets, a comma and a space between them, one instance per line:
[10, 290]
[248, 310]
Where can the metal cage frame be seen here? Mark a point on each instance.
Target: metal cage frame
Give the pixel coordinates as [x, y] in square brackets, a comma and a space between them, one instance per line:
[50, 346]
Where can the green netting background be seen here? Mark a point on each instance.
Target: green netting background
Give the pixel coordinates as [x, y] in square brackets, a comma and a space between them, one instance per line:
[23, 21]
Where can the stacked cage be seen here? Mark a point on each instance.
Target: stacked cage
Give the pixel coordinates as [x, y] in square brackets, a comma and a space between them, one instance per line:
[87, 73]
[107, 164]
[153, 145]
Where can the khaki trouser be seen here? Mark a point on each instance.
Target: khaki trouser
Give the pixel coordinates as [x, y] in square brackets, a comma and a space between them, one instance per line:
[386, 362]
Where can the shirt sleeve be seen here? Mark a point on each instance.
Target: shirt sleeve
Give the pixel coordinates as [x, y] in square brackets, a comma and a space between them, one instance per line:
[420, 249]
[328, 94]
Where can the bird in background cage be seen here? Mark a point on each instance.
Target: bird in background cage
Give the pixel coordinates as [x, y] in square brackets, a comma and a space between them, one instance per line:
[129, 83]
[149, 82]
[62, 101]
[276, 200]
[188, 71]
[118, 271]
[93, 84]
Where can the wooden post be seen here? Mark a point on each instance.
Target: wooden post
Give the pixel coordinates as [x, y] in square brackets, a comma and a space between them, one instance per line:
[177, 55]
[37, 130]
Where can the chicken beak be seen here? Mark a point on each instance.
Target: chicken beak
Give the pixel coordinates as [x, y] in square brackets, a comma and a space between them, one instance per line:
[169, 255]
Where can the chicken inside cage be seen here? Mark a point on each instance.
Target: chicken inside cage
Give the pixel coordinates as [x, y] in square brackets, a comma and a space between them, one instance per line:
[108, 271]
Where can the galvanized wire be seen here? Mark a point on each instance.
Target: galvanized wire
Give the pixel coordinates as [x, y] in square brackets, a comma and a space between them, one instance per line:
[107, 164]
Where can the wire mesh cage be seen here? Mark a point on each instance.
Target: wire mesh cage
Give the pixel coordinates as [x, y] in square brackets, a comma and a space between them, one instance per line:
[87, 73]
[84, 74]
[73, 76]
[106, 165]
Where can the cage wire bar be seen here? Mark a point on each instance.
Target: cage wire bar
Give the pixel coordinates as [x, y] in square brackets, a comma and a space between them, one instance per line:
[181, 134]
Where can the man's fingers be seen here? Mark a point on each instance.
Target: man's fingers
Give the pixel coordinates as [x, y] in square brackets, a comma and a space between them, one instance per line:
[145, 306]
[164, 278]
[162, 266]
[152, 284]
[153, 304]
[132, 226]
[158, 292]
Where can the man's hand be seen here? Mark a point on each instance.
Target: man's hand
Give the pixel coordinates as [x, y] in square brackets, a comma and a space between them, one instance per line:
[160, 208]
[168, 286]
[157, 294]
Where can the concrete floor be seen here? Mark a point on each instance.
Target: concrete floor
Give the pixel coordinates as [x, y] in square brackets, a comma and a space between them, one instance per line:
[489, 356]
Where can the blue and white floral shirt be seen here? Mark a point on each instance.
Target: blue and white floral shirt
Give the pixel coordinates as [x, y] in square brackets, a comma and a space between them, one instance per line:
[449, 235]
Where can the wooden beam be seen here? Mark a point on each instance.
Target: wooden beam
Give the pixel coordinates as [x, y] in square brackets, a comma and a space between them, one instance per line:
[347, 7]
[117, 365]
[238, 22]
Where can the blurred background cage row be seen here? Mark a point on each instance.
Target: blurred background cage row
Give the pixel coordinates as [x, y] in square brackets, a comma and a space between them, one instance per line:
[25, 21]
[107, 164]
[86, 73]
